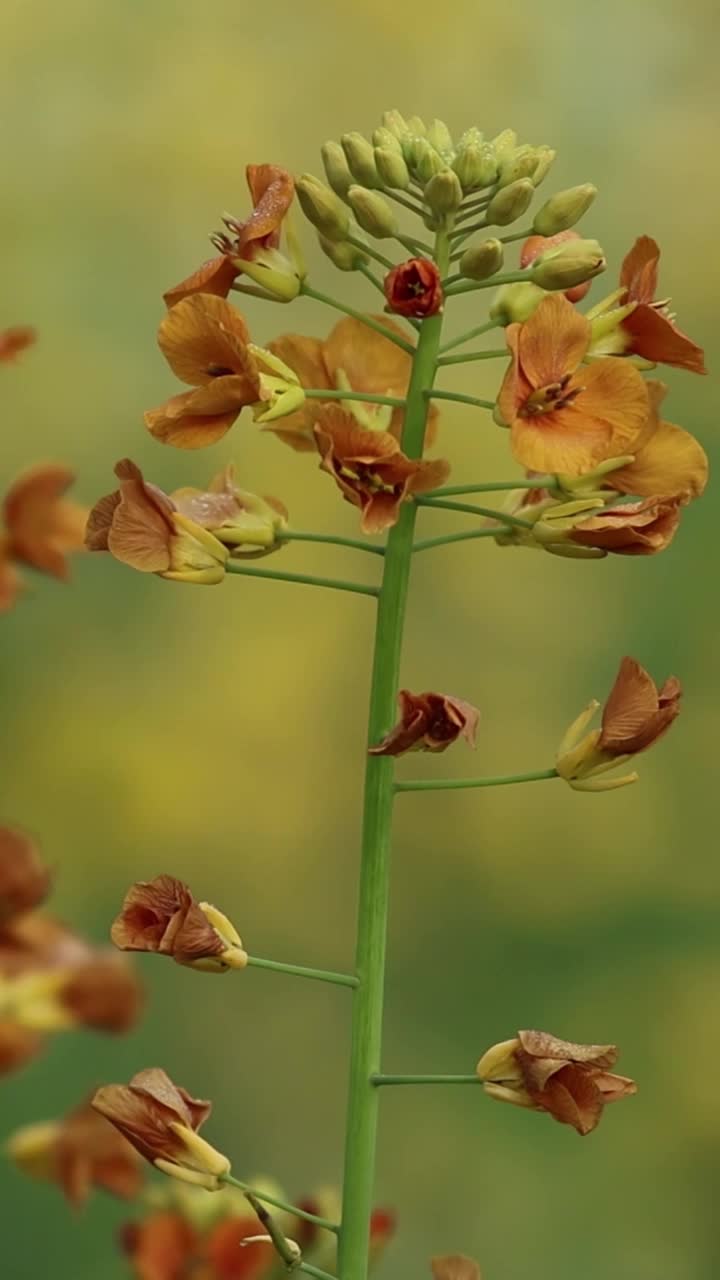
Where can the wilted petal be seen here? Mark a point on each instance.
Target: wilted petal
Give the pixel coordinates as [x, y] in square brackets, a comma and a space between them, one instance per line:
[24, 880]
[634, 716]
[18, 1045]
[217, 276]
[634, 528]
[103, 994]
[89, 1153]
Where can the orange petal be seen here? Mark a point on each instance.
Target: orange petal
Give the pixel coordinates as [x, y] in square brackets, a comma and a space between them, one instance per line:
[140, 532]
[10, 585]
[305, 357]
[272, 190]
[573, 1098]
[370, 362]
[380, 512]
[634, 717]
[430, 474]
[177, 423]
[214, 276]
[14, 341]
[639, 270]
[455, 1266]
[553, 341]
[204, 337]
[42, 526]
[672, 462]
[656, 338]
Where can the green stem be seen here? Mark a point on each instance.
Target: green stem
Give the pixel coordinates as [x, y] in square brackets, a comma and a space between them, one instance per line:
[280, 1204]
[364, 270]
[334, 539]
[464, 233]
[417, 248]
[320, 393]
[428, 543]
[335, 584]
[497, 353]
[412, 205]
[300, 971]
[362, 1114]
[383, 1079]
[459, 286]
[461, 399]
[310, 1270]
[493, 486]
[469, 335]
[308, 292]
[371, 252]
[516, 235]
[471, 509]
[461, 784]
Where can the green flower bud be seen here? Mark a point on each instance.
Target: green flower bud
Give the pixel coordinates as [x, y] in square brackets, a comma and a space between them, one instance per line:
[443, 193]
[392, 168]
[503, 144]
[510, 202]
[520, 163]
[546, 159]
[416, 126]
[476, 166]
[439, 136]
[383, 137]
[564, 209]
[515, 303]
[372, 212]
[425, 161]
[361, 159]
[482, 260]
[472, 137]
[336, 168]
[395, 123]
[347, 257]
[568, 264]
[322, 207]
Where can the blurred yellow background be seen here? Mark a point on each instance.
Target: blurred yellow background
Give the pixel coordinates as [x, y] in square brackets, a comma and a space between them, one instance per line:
[219, 735]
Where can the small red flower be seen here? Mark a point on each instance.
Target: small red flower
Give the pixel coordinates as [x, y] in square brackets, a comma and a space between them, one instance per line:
[413, 288]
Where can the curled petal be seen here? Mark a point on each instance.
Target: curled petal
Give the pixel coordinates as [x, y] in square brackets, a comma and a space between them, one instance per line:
[636, 714]
[639, 271]
[672, 462]
[272, 190]
[217, 276]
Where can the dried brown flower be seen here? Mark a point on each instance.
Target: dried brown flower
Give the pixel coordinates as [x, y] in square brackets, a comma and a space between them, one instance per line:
[429, 722]
[162, 916]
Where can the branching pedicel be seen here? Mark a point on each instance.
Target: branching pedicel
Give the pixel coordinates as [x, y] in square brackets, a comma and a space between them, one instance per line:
[583, 422]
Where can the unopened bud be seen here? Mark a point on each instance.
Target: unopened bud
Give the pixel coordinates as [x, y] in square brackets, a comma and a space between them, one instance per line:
[417, 126]
[443, 193]
[440, 138]
[476, 166]
[503, 144]
[361, 159]
[322, 207]
[520, 163]
[392, 168]
[482, 260]
[510, 202]
[515, 303]
[564, 209]
[385, 138]
[372, 212]
[425, 161]
[395, 122]
[471, 137]
[346, 257]
[336, 168]
[568, 264]
[545, 160]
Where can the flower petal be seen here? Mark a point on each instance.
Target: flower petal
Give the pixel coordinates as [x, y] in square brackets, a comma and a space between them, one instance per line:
[370, 362]
[204, 337]
[672, 462]
[217, 276]
[553, 341]
[42, 525]
[639, 271]
[190, 423]
[656, 338]
[272, 190]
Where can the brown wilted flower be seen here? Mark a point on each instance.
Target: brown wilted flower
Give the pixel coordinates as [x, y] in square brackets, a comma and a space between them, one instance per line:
[161, 1121]
[14, 341]
[635, 716]
[162, 1246]
[103, 994]
[18, 1045]
[24, 881]
[240, 519]
[142, 527]
[632, 529]
[79, 1152]
[414, 288]
[207, 344]
[371, 470]
[42, 527]
[572, 1082]
[455, 1266]
[428, 722]
[162, 916]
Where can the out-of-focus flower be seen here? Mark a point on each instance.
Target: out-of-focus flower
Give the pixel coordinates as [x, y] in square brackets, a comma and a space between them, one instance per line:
[352, 358]
[142, 527]
[564, 417]
[162, 916]
[79, 1152]
[455, 1266]
[636, 715]
[103, 994]
[535, 245]
[572, 1082]
[414, 288]
[18, 1045]
[252, 241]
[42, 527]
[631, 529]
[24, 880]
[161, 1121]
[162, 1246]
[14, 341]
[429, 722]
[371, 470]
[240, 519]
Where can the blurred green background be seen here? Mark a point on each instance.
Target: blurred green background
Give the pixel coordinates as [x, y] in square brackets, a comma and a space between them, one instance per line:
[218, 735]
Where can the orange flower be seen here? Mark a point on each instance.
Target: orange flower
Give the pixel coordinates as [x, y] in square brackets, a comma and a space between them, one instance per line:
[142, 527]
[632, 529]
[41, 527]
[371, 470]
[635, 716]
[161, 1121]
[80, 1152]
[239, 519]
[352, 358]
[207, 344]
[650, 330]
[455, 1266]
[667, 459]
[535, 245]
[572, 1082]
[14, 341]
[18, 1046]
[272, 190]
[429, 722]
[414, 288]
[162, 916]
[161, 1247]
[565, 416]
[24, 881]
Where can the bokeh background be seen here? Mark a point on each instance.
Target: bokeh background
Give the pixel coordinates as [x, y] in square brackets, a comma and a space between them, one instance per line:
[219, 735]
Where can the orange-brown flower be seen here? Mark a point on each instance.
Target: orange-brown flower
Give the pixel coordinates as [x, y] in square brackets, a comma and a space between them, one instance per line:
[631, 529]
[142, 527]
[572, 1082]
[666, 460]
[18, 1045]
[24, 881]
[41, 527]
[565, 416]
[535, 245]
[162, 1247]
[161, 1120]
[414, 288]
[636, 715]
[162, 916]
[429, 722]
[455, 1266]
[207, 345]
[650, 330]
[371, 470]
[272, 190]
[14, 341]
[103, 994]
[353, 357]
[240, 519]
[79, 1152]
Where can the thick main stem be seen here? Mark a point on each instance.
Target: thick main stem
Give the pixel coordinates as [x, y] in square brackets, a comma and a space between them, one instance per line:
[361, 1132]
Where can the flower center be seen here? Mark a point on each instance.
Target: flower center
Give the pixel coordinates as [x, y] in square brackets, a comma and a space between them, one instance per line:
[218, 371]
[556, 395]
